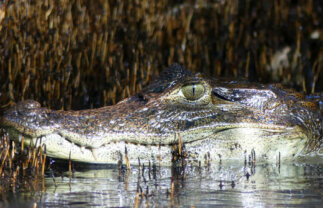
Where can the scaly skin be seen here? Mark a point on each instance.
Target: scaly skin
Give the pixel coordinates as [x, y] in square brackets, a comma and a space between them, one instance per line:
[226, 119]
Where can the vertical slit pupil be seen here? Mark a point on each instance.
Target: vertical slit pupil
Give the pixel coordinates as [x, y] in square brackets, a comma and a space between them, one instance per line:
[193, 88]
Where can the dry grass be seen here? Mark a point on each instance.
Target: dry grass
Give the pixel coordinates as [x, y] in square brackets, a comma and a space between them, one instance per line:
[79, 54]
[21, 168]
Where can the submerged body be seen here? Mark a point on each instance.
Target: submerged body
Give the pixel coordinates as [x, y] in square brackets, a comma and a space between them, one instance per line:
[179, 114]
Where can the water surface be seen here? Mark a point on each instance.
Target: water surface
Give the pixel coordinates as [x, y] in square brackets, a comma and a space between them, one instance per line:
[227, 184]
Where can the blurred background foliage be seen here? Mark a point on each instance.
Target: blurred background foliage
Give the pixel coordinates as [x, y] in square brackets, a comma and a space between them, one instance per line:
[75, 54]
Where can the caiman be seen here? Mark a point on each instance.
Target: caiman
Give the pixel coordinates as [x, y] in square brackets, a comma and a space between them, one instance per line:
[179, 115]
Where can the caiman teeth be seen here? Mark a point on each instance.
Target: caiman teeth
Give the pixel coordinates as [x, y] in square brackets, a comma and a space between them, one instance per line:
[92, 150]
[82, 147]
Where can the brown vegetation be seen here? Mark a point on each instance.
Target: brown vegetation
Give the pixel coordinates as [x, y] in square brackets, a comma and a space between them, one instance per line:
[79, 54]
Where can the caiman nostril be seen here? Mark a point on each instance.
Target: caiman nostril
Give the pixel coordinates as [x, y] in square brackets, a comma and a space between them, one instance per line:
[28, 108]
[28, 104]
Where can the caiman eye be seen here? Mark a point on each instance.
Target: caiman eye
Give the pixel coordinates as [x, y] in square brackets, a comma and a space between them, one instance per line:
[193, 91]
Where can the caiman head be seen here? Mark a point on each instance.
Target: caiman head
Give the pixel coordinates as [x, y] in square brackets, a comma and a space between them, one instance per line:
[201, 117]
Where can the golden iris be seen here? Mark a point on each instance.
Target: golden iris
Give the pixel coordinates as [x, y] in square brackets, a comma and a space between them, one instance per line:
[193, 91]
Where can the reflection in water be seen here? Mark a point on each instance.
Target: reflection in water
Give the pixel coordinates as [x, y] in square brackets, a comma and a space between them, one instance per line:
[226, 184]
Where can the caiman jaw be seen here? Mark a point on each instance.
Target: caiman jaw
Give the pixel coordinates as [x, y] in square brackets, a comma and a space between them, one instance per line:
[222, 146]
[222, 143]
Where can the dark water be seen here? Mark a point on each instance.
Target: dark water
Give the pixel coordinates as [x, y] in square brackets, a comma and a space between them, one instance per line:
[231, 185]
